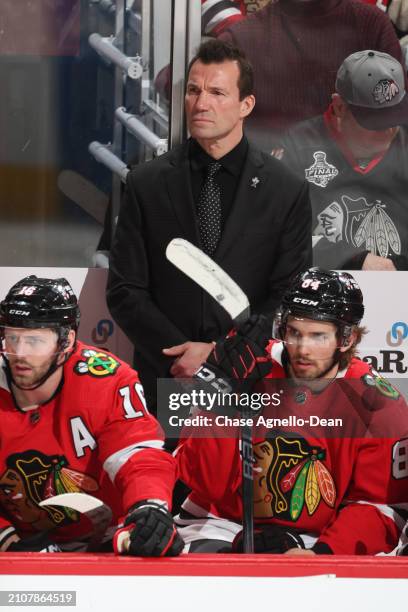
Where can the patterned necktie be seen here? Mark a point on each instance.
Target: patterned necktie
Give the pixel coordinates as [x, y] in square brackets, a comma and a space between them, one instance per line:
[209, 211]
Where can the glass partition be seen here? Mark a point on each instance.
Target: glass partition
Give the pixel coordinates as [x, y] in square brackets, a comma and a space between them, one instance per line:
[85, 88]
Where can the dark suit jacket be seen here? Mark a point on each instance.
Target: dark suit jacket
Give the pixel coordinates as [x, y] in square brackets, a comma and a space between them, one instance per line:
[265, 241]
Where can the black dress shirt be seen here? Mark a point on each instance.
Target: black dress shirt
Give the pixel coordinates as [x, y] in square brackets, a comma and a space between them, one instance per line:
[227, 177]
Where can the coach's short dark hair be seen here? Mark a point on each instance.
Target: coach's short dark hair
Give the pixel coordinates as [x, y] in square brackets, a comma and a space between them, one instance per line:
[216, 51]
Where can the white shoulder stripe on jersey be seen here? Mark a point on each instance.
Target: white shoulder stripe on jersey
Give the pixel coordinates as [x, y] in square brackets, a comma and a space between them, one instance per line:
[205, 6]
[3, 377]
[209, 4]
[113, 463]
[175, 452]
[341, 373]
[6, 534]
[221, 16]
[196, 510]
[389, 511]
[276, 352]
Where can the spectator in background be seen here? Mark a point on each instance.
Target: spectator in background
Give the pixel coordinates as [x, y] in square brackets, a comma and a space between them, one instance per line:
[296, 48]
[397, 11]
[217, 15]
[355, 158]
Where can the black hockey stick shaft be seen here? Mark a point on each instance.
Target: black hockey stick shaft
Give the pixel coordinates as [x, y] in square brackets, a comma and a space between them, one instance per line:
[247, 488]
[247, 460]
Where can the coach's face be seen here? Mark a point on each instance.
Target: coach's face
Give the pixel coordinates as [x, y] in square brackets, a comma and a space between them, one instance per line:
[213, 106]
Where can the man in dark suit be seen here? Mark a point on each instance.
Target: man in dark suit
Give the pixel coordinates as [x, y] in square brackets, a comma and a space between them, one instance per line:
[242, 207]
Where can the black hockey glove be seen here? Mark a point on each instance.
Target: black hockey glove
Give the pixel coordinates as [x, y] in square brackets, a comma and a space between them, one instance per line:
[270, 539]
[402, 549]
[240, 361]
[39, 542]
[148, 531]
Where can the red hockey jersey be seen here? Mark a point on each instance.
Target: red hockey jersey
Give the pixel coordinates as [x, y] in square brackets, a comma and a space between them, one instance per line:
[94, 436]
[382, 4]
[216, 15]
[343, 484]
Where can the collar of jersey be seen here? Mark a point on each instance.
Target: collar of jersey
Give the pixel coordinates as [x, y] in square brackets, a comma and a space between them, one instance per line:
[331, 126]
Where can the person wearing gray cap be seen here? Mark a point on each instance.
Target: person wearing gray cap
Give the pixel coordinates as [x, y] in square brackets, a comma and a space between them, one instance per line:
[355, 158]
[296, 48]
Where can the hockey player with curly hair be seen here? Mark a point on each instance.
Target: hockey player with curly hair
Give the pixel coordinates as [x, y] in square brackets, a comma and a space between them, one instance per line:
[330, 475]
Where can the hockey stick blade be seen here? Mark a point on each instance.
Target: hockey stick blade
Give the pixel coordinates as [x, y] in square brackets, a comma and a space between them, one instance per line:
[98, 513]
[80, 502]
[210, 277]
[84, 193]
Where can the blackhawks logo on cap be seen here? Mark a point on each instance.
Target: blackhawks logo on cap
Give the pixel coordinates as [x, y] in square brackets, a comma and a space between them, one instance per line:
[385, 91]
[97, 364]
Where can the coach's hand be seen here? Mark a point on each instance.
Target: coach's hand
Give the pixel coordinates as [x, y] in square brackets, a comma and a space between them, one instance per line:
[188, 357]
[148, 531]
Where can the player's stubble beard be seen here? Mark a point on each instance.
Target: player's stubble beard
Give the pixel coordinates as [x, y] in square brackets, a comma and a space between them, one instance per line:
[315, 372]
[30, 379]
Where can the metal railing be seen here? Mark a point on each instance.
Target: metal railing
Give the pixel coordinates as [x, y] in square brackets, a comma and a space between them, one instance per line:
[105, 47]
[104, 155]
[141, 131]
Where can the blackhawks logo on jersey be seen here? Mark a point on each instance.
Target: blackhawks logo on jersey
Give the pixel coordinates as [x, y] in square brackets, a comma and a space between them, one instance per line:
[32, 476]
[289, 475]
[380, 384]
[97, 364]
[360, 223]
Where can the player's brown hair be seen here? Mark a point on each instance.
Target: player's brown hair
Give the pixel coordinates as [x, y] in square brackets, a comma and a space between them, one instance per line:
[345, 358]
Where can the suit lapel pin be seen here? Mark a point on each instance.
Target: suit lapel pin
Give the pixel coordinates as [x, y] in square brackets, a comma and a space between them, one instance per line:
[254, 181]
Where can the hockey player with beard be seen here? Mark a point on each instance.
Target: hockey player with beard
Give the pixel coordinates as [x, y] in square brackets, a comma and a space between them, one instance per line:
[73, 420]
[317, 489]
